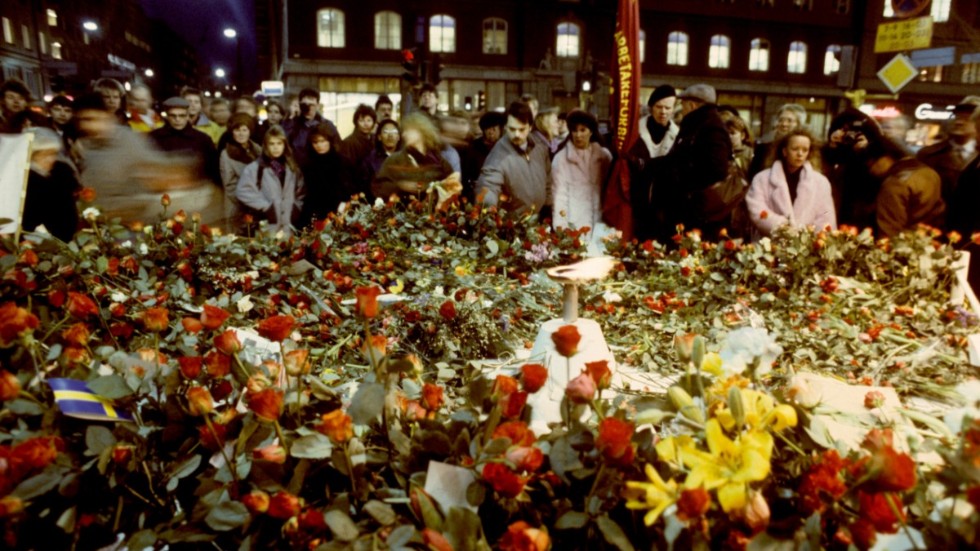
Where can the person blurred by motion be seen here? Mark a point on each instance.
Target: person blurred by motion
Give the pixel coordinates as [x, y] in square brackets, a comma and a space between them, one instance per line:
[219, 112]
[417, 165]
[52, 188]
[950, 156]
[789, 117]
[271, 188]
[142, 117]
[791, 192]
[114, 95]
[195, 109]
[388, 142]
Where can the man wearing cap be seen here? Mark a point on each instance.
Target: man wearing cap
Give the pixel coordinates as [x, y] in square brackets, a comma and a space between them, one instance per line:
[950, 156]
[179, 138]
[698, 159]
[657, 134]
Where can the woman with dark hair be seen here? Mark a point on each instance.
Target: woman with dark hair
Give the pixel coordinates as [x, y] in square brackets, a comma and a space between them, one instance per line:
[388, 142]
[417, 164]
[272, 186]
[791, 192]
[328, 175]
[275, 115]
[578, 171]
[239, 152]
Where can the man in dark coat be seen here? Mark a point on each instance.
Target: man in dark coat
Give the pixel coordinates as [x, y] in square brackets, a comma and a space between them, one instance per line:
[360, 142]
[698, 159]
[950, 156]
[177, 136]
[298, 128]
[492, 128]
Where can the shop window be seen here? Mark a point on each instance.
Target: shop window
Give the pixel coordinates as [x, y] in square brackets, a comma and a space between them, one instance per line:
[442, 34]
[931, 74]
[330, 28]
[796, 60]
[569, 36]
[56, 50]
[719, 54]
[52, 18]
[494, 36]
[831, 60]
[387, 30]
[677, 48]
[759, 55]
[971, 73]
[643, 45]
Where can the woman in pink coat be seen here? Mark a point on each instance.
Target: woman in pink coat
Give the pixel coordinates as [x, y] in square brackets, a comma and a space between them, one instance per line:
[791, 192]
[578, 171]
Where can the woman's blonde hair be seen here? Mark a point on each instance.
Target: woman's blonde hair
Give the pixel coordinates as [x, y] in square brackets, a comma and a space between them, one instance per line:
[420, 122]
[276, 131]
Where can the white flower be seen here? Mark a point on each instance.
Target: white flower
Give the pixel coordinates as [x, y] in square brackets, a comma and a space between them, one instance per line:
[119, 297]
[379, 203]
[144, 250]
[611, 297]
[747, 346]
[91, 214]
[245, 304]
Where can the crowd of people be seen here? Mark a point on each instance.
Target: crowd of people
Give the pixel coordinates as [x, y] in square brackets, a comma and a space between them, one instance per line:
[694, 164]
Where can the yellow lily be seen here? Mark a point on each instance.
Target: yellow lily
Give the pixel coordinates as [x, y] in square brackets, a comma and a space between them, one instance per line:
[761, 412]
[729, 466]
[657, 495]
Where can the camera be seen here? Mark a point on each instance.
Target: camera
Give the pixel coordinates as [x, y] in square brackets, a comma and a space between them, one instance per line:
[306, 109]
[851, 137]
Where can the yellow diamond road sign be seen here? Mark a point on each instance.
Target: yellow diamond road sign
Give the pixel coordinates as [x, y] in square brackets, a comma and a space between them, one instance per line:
[897, 73]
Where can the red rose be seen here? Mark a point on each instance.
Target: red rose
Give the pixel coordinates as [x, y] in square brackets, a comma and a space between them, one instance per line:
[863, 534]
[36, 453]
[581, 389]
[156, 319]
[81, 306]
[520, 536]
[212, 440]
[284, 505]
[199, 401]
[312, 520]
[121, 453]
[823, 479]
[9, 385]
[600, 373]
[448, 310]
[890, 470]
[28, 258]
[525, 458]
[15, 322]
[256, 501]
[277, 328]
[503, 480]
[693, 503]
[267, 404]
[121, 329]
[566, 340]
[367, 301]
[191, 325]
[511, 405]
[227, 343]
[212, 317]
[337, 426]
[613, 441]
[432, 396]
[534, 377]
[87, 194]
[190, 366]
[875, 508]
[502, 386]
[218, 364]
[516, 431]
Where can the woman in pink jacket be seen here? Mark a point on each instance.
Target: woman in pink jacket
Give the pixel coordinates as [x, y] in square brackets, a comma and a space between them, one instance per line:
[579, 171]
[791, 192]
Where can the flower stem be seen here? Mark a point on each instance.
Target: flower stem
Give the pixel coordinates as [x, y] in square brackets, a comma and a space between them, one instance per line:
[221, 448]
[889, 498]
[282, 437]
[350, 469]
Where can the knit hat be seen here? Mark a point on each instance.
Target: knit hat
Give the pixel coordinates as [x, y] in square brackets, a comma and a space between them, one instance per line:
[700, 92]
[242, 119]
[661, 92]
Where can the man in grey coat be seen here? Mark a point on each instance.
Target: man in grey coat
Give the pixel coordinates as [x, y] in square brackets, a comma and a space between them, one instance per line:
[516, 167]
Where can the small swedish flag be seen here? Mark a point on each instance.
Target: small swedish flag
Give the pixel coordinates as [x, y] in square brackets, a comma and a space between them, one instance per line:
[76, 400]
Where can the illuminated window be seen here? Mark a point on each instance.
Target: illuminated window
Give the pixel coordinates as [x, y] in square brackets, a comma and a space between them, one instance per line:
[442, 34]
[387, 30]
[52, 18]
[759, 55]
[42, 43]
[940, 10]
[796, 60]
[8, 31]
[494, 36]
[677, 48]
[25, 34]
[831, 60]
[568, 40]
[330, 28]
[56, 50]
[719, 54]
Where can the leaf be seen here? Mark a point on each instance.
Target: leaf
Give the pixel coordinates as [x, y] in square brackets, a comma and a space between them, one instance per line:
[24, 407]
[110, 386]
[38, 485]
[367, 403]
[66, 521]
[227, 515]
[464, 529]
[563, 458]
[144, 539]
[381, 512]
[571, 519]
[97, 439]
[476, 493]
[314, 446]
[400, 536]
[613, 533]
[187, 467]
[341, 525]
[493, 247]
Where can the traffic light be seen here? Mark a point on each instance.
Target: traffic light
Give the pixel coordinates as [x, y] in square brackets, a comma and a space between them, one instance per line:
[481, 101]
[411, 65]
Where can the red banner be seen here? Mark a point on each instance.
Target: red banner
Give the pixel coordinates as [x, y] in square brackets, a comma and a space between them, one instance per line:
[625, 111]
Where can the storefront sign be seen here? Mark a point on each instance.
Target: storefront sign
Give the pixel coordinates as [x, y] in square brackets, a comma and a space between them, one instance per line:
[970, 58]
[927, 112]
[886, 112]
[911, 34]
[897, 73]
[273, 88]
[935, 57]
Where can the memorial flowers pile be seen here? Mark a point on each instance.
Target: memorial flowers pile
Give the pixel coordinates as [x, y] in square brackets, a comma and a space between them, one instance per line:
[328, 390]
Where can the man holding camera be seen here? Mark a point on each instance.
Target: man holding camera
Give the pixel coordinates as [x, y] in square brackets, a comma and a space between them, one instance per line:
[298, 128]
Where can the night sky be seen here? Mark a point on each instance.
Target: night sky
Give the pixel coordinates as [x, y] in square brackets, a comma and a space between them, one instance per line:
[201, 23]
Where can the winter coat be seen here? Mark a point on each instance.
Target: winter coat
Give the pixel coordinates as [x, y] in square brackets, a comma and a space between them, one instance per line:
[357, 146]
[910, 194]
[298, 130]
[409, 165]
[945, 160]
[281, 202]
[329, 182]
[194, 145]
[524, 176]
[369, 168]
[50, 201]
[646, 149]
[770, 206]
[578, 176]
[234, 159]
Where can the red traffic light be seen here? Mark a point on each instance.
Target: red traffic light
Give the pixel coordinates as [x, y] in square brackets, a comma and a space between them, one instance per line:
[408, 56]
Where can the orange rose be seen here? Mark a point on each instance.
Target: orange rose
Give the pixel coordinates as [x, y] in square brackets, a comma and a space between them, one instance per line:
[277, 328]
[36, 453]
[9, 385]
[190, 366]
[520, 536]
[367, 301]
[516, 431]
[156, 319]
[502, 386]
[337, 426]
[566, 340]
[600, 373]
[191, 325]
[81, 306]
[375, 348]
[267, 404]
[256, 501]
[15, 322]
[534, 377]
[227, 343]
[212, 317]
[432, 396]
[297, 362]
[693, 503]
[218, 364]
[199, 401]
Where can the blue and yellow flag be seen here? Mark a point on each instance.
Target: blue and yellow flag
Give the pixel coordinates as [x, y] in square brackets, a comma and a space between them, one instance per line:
[76, 400]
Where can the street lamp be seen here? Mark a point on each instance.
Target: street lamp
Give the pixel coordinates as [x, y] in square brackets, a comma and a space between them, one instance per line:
[149, 73]
[90, 26]
[219, 72]
[232, 34]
